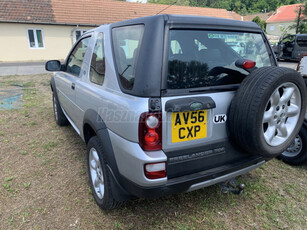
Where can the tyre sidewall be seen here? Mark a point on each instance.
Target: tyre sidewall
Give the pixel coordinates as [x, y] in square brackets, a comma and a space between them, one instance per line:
[94, 143]
[266, 149]
[300, 158]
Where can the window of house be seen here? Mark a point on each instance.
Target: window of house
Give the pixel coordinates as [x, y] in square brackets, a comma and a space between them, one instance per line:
[35, 38]
[97, 68]
[76, 57]
[78, 34]
[272, 28]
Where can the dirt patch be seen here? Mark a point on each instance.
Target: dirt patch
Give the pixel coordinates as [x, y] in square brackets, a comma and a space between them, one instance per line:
[44, 183]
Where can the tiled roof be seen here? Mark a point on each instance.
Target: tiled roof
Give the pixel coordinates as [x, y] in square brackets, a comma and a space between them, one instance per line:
[93, 12]
[262, 16]
[285, 13]
[26, 10]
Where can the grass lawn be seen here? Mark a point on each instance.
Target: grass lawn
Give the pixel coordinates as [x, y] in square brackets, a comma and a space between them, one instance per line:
[44, 182]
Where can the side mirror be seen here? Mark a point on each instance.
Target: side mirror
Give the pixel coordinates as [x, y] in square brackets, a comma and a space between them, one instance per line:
[53, 65]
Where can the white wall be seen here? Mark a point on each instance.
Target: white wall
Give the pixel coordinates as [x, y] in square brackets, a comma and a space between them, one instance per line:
[14, 45]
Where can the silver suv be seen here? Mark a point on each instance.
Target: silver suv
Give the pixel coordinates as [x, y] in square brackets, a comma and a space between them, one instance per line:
[167, 104]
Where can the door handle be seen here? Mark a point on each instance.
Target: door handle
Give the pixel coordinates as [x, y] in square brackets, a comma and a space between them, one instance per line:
[73, 86]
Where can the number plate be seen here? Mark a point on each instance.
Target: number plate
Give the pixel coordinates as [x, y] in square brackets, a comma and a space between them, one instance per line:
[189, 125]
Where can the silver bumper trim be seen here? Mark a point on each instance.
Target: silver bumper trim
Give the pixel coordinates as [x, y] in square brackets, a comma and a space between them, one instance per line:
[224, 177]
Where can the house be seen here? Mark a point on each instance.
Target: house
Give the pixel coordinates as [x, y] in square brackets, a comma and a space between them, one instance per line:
[279, 22]
[262, 16]
[38, 30]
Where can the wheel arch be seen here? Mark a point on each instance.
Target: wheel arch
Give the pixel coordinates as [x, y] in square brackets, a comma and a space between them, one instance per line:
[93, 125]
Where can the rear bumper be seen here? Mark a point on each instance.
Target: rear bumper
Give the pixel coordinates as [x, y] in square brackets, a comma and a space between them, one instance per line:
[191, 182]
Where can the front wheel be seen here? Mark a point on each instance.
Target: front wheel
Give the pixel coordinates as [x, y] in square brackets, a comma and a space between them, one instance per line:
[59, 115]
[296, 153]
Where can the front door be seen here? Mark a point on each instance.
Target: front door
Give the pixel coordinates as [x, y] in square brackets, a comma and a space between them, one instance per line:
[67, 83]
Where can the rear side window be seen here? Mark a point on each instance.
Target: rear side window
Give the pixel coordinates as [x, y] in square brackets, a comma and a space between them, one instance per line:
[126, 44]
[302, 41]
[199, 58]
[76, 57]
[97, 68]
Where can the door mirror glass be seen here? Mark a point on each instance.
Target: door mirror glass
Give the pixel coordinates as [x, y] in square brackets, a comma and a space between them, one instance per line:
[53, 65]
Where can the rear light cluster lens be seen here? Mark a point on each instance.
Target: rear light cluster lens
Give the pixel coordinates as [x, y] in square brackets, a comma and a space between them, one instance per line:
[155, 170]
[248, 64]
[150, 131]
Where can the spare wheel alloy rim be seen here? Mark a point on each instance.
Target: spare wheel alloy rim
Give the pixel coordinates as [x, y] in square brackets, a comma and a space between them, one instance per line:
[96, 173]
[281, 114]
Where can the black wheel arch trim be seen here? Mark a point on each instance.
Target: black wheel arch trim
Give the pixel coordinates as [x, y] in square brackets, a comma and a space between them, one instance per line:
[94, 120]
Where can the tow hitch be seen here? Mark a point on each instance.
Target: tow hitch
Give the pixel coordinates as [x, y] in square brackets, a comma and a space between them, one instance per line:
[231, 186]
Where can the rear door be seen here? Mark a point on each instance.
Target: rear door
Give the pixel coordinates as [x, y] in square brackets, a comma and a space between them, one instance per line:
[66, 81]
[201, 81]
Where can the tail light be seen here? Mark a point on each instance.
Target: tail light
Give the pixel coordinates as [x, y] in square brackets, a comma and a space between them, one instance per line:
[155, 170]
[248, 64]
[150, 131]
[245, 64]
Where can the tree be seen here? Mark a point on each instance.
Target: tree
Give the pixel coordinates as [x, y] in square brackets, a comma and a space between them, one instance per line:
[300, 25]
[260, 22]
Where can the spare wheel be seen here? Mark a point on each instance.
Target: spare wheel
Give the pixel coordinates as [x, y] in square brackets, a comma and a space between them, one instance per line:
[267, 111]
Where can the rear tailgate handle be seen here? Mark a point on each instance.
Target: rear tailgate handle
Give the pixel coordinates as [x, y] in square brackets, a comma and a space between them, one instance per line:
[73, 86]
[189, 104]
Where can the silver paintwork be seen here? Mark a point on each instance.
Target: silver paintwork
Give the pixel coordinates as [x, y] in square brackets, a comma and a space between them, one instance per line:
[130, 159]
[281, 114]
[96, 173]
[215, 132]
[295, 148]
[224, 177]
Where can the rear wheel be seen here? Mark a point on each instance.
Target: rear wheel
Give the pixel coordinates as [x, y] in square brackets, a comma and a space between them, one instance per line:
[267, 111]
[296, 153]
[59, 116]
[99, 176]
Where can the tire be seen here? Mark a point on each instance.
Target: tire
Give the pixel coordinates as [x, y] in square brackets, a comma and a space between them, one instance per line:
[296, 153]
[98, 171]
[59, 116]
[267, 111]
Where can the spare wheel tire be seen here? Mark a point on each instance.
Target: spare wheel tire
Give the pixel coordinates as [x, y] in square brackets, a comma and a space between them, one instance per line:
[267, 111]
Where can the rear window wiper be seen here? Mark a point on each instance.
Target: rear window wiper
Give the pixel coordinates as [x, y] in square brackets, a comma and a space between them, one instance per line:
[215, 88]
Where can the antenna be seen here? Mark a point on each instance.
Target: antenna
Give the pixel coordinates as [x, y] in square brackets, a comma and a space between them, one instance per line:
[167, 7]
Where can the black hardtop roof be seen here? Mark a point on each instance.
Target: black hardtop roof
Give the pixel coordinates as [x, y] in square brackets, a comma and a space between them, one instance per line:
[189, 20]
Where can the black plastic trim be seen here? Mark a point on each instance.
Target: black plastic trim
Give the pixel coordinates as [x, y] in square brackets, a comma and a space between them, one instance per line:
[182, 184]
[186, 104]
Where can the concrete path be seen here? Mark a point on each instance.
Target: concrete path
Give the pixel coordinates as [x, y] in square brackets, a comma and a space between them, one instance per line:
[22, 68]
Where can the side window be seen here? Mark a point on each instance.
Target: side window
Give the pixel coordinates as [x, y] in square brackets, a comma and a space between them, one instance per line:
[76, 57]
[35, 38]
[97, 68]
[126, 44]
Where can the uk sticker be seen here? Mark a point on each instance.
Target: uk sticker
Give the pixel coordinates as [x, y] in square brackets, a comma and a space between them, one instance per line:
[220, 118]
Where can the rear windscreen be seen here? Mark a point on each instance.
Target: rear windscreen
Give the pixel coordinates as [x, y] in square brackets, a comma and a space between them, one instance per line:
[207, 58]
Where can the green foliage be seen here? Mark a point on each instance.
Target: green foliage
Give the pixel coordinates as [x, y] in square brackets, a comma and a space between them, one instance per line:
[239, 6]
[260, 22]
[301, 21]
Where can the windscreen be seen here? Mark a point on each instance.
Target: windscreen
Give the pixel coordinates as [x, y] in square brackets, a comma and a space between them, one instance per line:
[199, 58]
